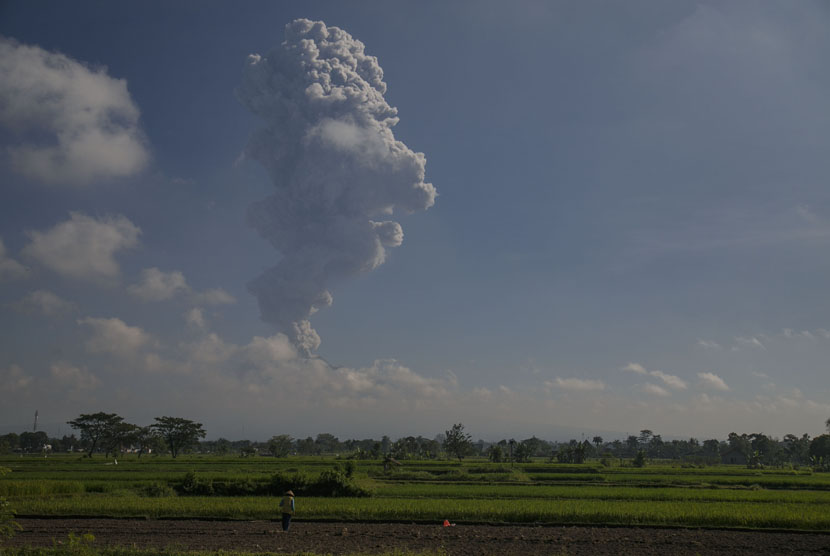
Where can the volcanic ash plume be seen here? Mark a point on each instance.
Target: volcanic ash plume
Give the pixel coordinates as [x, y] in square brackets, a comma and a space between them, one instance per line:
[337, 170]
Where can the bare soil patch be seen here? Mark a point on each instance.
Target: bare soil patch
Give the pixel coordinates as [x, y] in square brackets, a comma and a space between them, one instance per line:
[461, 540]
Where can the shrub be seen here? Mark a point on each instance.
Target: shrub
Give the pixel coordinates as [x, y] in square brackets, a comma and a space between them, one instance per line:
[158, 490]
[8, 527]
[239, 487]
[195, 486]
[334, 482]
[349, 469]
[280, 482]
[76, 545]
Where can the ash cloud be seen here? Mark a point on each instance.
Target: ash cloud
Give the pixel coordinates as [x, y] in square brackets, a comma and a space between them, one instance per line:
[337, 170]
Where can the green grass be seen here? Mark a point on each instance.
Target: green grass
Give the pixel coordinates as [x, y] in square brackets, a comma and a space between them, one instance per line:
[718, 496]
[528, 492]
[84, 545]
[40, 488]
[92, 550]
[670, 479]
[784, 515]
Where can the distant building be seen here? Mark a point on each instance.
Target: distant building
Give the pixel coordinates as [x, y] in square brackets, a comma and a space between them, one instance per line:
[733, 456]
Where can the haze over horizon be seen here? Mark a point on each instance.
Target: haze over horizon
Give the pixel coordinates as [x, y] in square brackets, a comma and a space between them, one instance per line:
[226, 213]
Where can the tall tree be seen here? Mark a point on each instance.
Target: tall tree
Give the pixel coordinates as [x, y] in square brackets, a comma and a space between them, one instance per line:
[147, 439]
[458, 443]
[820, 448]
[536, 446]
[495, 453]
[280, 446]
[740, 443]
[655, 446]
[95, 427]
[223, 446]
[327, 443]
[178, 433]
[120, 434]
[9, 443]
[523, 452]
[711, 447]
[306, 446]
[31, 442]
[633, 444]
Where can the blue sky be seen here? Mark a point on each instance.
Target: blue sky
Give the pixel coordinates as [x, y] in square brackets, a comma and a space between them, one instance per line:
[630, 230]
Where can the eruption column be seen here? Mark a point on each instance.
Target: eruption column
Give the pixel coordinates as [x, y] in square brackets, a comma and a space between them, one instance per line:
[337, 170]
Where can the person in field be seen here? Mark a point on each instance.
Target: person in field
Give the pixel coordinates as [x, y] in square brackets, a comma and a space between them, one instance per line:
[287, 506]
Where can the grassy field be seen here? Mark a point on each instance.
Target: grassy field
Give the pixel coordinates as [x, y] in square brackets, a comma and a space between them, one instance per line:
[128, 551]
[472, 491]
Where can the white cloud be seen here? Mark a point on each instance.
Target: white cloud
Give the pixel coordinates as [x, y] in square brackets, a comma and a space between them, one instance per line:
[713, 381]
[13, 379]
[650, 388]
[788, 403]
[10, 269]
[114, 336]
[45, 303]
[156, 285]
[670, 380]
[577, 384]
[157, 364]
[483, 394]
[748, 342]
[267, 351]
[806, 213]
[246, 381]
[387, 376]
[72, 124]
[74, 378]
[210, 350]
[195, 317]
[214, 296]
[83, 247]
[708, 344]
[274, 365]
[635, 368]
[791, 334]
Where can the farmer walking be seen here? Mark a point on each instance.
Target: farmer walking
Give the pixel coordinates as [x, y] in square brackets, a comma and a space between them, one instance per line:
[287, 505]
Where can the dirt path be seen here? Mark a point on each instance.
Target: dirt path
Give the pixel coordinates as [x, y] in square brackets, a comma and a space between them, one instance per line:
[462, 540]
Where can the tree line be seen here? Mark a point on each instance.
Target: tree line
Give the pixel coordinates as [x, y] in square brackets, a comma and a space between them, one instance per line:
[108, 433]
[756, 449]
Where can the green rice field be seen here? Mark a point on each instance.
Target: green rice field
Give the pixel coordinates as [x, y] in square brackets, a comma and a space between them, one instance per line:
[472, 491]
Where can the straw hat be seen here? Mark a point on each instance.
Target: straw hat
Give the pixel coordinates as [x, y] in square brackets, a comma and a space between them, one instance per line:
[289, 493]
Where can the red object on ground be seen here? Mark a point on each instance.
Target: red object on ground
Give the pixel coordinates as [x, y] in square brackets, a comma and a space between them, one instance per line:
[446, 523]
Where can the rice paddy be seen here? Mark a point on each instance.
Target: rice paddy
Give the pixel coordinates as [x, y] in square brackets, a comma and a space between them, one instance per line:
[472, 491]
